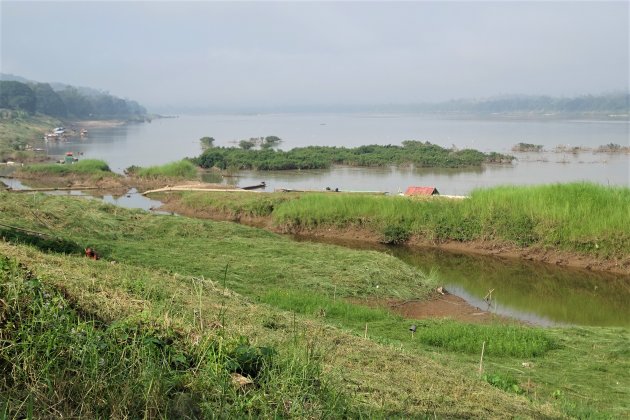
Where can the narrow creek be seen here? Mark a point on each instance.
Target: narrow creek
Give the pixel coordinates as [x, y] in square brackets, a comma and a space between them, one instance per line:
[534, 292]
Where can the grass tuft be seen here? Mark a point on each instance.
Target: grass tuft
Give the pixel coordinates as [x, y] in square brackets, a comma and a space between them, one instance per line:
[181, 169]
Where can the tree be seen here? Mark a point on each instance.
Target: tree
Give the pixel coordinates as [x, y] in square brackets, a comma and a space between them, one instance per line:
[246, 144]
[16, 95]
[207, 142]
[269, 142]
[76, 104]
[48, 101]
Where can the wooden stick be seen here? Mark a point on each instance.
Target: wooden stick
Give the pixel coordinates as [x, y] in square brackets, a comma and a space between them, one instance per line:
[365, 336]
[483, 347]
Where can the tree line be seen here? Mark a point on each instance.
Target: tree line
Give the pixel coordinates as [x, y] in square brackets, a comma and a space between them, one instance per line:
[67, 102]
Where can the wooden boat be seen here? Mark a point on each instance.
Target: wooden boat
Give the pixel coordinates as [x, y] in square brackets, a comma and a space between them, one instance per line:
[255, 187]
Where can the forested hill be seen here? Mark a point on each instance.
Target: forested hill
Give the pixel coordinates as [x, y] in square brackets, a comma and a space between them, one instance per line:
[614, 103]
[65, 101]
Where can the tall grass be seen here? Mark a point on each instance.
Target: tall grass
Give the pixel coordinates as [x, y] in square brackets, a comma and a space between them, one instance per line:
[180, 169]
[578, 216]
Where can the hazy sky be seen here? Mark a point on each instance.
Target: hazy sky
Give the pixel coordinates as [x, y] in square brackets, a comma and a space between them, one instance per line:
[312, 53]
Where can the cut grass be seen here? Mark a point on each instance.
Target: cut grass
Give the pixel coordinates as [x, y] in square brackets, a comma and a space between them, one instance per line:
[57, 361]
[500, 340]
[320, 371]
[167, 274]
[258, 260]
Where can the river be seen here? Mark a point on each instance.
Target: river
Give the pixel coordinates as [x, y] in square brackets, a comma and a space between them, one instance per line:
[169, 139]
[535, 292]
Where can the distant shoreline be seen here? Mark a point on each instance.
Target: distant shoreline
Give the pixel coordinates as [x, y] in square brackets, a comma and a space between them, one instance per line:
[98, 123]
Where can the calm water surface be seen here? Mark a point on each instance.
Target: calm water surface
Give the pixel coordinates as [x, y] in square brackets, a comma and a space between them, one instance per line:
[539, 293]
[167, 140]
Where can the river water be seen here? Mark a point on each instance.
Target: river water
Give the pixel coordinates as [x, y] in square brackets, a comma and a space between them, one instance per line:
[534, 292]
[170, 139]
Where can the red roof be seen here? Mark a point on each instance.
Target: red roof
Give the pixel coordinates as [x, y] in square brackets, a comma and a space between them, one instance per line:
[421, 191]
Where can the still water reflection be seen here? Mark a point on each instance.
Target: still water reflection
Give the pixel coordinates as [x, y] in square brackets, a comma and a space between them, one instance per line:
[539, 293]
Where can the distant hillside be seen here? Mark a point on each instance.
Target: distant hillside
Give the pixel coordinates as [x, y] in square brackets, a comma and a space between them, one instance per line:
[606, 103]
[609, 105]
[64, 101]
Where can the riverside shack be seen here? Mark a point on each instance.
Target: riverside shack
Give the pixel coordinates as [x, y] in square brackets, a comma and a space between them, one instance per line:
[424, 191]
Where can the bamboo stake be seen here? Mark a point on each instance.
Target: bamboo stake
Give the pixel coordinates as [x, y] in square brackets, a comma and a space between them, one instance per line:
[483, 347]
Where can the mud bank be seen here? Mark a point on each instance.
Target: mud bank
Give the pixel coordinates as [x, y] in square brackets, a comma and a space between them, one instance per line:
[441, 306]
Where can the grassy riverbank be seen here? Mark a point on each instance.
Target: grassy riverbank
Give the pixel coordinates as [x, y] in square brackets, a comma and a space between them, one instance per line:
[189, 303]
[576, 217]
[580, 218]
[20, 132]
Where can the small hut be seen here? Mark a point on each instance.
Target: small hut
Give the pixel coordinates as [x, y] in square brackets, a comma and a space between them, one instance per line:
[424, 191]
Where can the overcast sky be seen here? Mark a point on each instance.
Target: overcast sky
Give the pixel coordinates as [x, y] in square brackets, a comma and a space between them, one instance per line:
[312, 53]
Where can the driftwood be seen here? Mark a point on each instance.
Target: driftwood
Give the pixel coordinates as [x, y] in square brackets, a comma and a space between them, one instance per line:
[196, 188]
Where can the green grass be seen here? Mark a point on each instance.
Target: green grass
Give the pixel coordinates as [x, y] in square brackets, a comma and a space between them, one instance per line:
[579, 217]
[257, 259]
[162, 329]
[18, 129]
[57, 361]
[92, 167]
[182, 169]
[235, 205]
[185, 275]
[500, 340]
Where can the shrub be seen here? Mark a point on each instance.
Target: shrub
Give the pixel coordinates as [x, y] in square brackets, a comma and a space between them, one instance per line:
[395, 235]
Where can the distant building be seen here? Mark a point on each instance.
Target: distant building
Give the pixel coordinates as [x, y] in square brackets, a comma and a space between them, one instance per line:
[422, 191]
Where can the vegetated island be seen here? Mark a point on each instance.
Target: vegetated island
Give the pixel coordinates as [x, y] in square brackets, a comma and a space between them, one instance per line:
[181, 317]
[411, 152]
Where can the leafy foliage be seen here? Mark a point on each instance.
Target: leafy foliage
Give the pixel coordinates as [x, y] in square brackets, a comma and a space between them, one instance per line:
[18, 96]
[71, 101]
[318, 157]
[206, 142]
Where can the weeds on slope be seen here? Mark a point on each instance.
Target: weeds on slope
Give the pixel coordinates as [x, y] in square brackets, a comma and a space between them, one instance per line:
[59, 361]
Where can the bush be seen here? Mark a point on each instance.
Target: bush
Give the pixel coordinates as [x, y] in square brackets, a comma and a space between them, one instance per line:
[395, 235]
